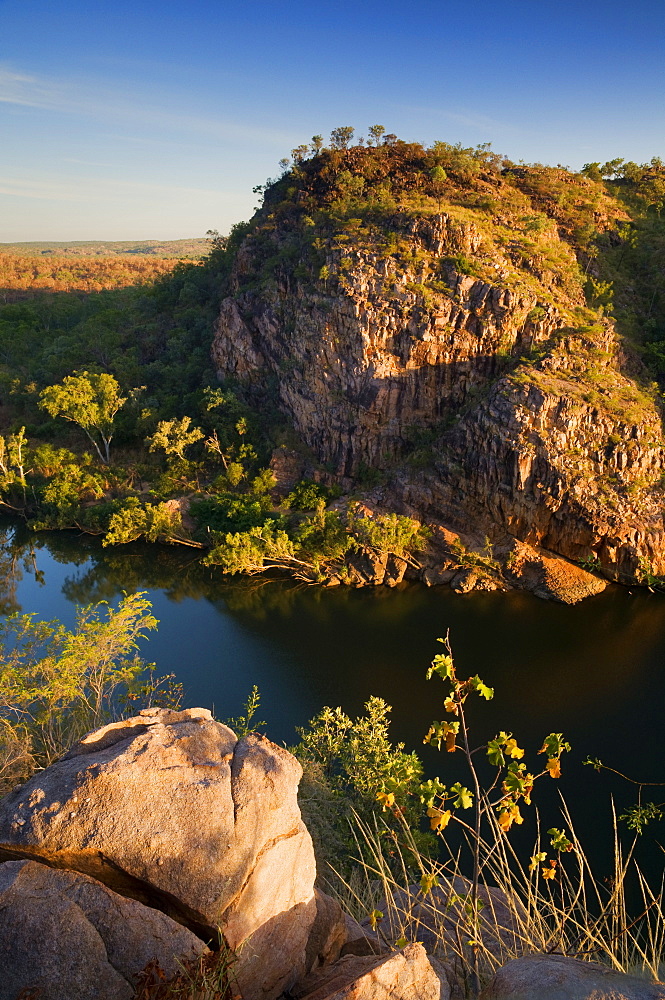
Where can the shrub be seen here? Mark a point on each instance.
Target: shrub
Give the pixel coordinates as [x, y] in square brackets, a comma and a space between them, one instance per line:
[57, 684]
[306, 495]
[350, 766]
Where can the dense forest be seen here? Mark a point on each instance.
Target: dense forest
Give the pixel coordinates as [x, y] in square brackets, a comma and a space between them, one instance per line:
[29, 268]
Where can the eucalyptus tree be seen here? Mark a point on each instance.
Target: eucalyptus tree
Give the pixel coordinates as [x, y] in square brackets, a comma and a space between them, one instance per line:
[90, 401]
[341, 137]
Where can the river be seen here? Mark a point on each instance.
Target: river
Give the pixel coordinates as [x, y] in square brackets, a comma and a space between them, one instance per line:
[594, 672]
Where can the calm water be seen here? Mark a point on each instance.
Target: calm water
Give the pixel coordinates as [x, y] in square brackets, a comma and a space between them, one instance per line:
[595, 672]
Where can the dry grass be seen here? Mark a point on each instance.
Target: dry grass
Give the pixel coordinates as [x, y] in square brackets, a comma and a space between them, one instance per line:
[208, 977]
[17, 761]
[519, 912]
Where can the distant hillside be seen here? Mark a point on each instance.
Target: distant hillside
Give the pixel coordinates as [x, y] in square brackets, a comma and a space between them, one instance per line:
[166, 249]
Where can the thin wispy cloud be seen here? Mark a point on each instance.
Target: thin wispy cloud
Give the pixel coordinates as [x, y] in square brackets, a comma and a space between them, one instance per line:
[85, 163]
[94, 189]
[103, 103]
[27, 91]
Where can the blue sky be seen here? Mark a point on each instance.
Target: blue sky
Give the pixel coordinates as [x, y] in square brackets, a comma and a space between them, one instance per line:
[155, 120]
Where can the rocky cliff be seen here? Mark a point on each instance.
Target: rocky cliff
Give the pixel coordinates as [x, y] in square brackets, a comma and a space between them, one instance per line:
[443, 339]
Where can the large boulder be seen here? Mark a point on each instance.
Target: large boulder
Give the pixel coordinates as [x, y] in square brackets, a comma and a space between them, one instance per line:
[556, 977]
[71, 938]
[172, 809]
[407, 974]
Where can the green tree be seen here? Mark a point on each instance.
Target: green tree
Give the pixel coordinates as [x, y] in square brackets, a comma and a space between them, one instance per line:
[439, 177]
[154, 522]
[375, 133]
[216, 240]
[613, 168]
[592, 171]
[387, 533]
[12, 463]
[341, 137]
[173, 436]
[91, 401]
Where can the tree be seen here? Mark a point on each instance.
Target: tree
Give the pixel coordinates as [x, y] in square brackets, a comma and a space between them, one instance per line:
[299, 153]
[375, 132]
[317, 144]
[592, 171]
[386, 533]
[173, 436]
[439, 177]
[88, 400]
[154, 522]
[613, 168]
[12, 463]
[56, 684]
[216, 240]
[341, 137]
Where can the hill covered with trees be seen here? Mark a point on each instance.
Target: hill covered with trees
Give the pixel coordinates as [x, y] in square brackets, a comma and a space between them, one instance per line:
[406, 336]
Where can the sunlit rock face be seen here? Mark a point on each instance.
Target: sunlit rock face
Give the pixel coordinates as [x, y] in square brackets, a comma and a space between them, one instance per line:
[67, 936]
[489, 414]
[364, 363]
[172, 809]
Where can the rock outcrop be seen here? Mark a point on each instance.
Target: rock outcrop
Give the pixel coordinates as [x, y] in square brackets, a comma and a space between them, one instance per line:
[169, 815]
[171, 809]
[71, 938]
[488, 404]
[367, 361]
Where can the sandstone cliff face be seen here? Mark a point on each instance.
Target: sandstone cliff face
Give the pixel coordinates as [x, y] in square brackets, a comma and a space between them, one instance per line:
[490, 412]
[376, 356]
[558, 471]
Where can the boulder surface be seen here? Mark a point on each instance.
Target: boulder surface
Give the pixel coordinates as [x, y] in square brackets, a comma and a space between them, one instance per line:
[556, 977]
[170, 808]
[72, 938]
[407, 974]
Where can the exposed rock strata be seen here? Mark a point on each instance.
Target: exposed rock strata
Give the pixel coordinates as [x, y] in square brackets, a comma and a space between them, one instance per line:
[171, 809]
[363, 367]
[562, 452]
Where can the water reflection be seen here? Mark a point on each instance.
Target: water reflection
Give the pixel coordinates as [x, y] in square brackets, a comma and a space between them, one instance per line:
[594, 672]
[595, 661]
[16, 557]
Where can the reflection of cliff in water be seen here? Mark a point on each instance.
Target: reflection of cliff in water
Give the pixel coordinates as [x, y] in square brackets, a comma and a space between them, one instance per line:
[556, 658]
[593, 671]
[17, 556]
[549, 663]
